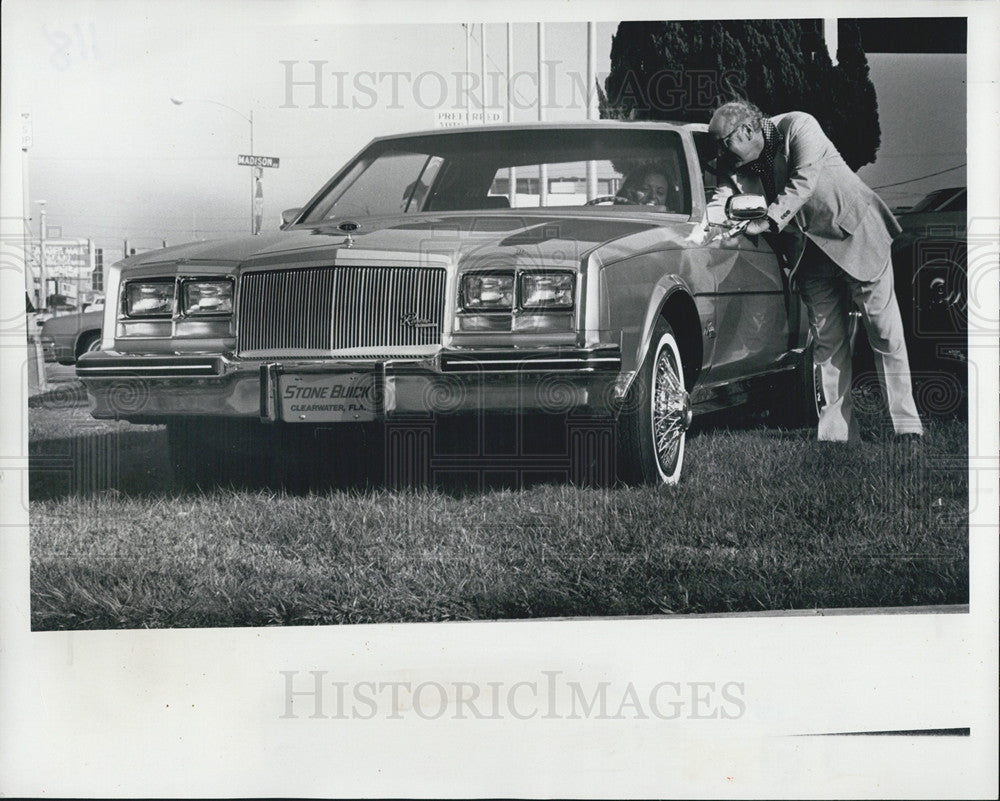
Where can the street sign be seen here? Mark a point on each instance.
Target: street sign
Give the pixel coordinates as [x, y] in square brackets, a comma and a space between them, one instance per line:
[454, 119]
[257, 161]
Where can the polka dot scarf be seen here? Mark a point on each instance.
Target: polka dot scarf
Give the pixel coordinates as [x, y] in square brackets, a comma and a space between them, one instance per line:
[764, 165]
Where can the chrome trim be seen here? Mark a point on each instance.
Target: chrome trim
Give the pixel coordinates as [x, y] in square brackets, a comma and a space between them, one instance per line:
[551, 362]
[107, 364]
[327, 356]
[576, 360]
[141, 368]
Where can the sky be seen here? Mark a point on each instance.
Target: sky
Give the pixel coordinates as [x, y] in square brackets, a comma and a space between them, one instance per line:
[114, 158]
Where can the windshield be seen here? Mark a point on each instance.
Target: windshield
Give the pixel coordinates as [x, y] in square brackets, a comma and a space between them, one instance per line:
[498, 169]
[941, 200]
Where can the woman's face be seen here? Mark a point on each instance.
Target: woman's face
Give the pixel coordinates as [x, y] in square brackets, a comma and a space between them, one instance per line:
[654, 190]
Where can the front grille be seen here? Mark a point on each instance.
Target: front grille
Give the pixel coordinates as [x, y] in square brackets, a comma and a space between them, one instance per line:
[334, 308]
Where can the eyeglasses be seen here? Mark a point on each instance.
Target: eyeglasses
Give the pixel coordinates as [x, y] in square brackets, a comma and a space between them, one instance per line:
[723, 142]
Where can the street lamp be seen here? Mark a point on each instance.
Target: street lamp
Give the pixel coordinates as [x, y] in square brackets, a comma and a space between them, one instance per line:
[177, 101]
[43, 295]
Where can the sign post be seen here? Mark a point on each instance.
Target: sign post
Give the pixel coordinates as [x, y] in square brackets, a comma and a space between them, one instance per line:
[258, 199]
[258, 163]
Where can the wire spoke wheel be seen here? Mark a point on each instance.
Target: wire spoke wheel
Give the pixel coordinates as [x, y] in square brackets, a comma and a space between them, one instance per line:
[654, 424]
[670, 410]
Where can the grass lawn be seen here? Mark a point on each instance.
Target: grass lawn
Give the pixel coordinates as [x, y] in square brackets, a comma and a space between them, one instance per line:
[763, 519]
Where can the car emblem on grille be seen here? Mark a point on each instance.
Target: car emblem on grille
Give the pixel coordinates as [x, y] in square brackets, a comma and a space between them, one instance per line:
[413, 320]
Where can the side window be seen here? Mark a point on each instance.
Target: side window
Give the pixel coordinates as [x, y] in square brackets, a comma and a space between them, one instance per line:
[665, 177]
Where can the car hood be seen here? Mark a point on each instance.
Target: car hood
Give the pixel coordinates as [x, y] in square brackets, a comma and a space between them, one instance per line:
[461, 237]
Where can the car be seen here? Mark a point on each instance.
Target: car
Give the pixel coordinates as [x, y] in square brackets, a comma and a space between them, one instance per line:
[952, 200]
[503, 273]
[69, 336]
[930, 261]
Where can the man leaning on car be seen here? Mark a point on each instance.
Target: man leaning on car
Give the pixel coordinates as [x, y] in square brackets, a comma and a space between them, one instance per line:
[847, 231]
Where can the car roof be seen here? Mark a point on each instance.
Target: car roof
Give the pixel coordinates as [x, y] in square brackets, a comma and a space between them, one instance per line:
[537, 126]
[936, 200]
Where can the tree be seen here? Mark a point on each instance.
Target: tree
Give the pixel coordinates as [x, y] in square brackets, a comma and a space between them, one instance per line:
[681, 71]
[854, 128]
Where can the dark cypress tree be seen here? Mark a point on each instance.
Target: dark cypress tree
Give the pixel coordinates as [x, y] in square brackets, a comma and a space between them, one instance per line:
[854, 127]
[681, 71]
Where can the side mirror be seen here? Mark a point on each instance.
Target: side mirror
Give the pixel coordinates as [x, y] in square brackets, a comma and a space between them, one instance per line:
[288, 216]
[746, 207]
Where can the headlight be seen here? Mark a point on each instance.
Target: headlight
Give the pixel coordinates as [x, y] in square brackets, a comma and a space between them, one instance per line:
[207, 297]
[149, 298]
[488, 291]
[547, 290]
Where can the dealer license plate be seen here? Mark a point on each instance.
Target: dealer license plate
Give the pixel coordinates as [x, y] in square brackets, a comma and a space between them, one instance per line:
[327, 397]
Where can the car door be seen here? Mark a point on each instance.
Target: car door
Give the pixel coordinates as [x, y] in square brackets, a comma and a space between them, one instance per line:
[751, 326]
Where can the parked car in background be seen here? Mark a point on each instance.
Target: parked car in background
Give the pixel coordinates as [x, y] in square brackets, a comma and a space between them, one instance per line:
[941, 201]
[506, 271]
[68, 336]
[930, 263]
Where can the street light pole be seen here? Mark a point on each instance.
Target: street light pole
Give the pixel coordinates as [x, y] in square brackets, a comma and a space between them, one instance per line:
[43, 293]
[256, 187]
[177, 101]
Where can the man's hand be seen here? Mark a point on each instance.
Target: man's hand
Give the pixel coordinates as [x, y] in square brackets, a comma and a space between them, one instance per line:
[755, 227]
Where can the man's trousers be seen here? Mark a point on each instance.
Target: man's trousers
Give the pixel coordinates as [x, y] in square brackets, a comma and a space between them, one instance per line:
[830, 294]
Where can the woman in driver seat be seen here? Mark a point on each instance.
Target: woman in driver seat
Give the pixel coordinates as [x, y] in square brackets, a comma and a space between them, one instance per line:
[654, 186]
[654, 189]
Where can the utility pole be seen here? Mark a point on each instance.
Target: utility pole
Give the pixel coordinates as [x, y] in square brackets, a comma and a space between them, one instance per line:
[512, 171]
[26, 243]
[91, 265]
[43, 292]
[256, 188]
[591, 102]
[468, 73]
[543, 172]
[482, 65]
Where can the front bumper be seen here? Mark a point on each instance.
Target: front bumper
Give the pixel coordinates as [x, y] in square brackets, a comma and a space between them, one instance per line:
[149, 389]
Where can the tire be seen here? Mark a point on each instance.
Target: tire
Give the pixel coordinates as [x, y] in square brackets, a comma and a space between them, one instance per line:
[938, 300]
[88, 342]
[796, 402]
[652, 427]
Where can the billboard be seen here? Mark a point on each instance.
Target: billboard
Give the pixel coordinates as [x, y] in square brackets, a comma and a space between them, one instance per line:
[64, 258]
